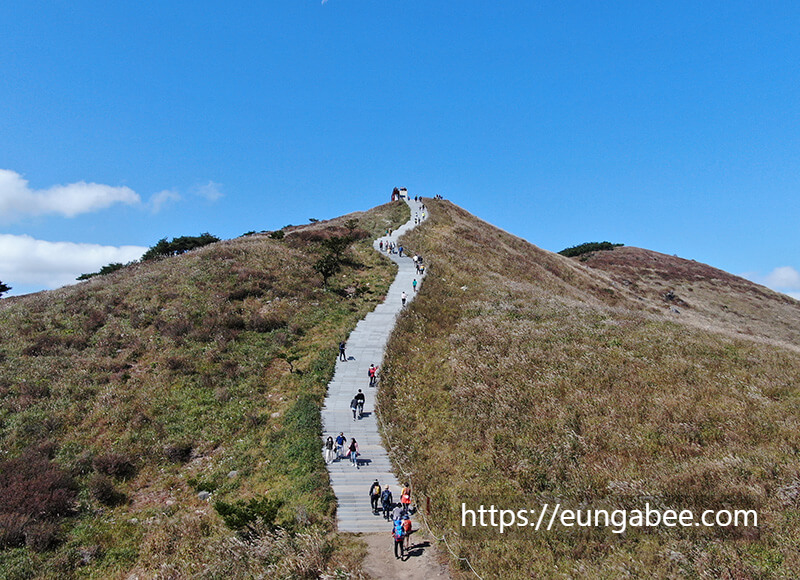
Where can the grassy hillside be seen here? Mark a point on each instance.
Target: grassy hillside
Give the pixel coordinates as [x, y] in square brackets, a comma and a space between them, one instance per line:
[519, 377]
[124, 397]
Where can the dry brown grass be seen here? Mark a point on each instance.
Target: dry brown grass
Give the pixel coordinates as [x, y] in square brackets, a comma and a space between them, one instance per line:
[521, 377]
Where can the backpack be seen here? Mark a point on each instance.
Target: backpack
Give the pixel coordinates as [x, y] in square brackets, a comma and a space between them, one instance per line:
[386, 496]
[353, 404]
[398, 532]
[375, 489]
[406, 526]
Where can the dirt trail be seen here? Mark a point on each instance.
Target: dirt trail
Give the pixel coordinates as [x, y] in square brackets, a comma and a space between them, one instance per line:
[422, 561]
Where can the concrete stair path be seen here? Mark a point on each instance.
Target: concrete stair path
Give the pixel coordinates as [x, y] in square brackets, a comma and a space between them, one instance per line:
[365, 346]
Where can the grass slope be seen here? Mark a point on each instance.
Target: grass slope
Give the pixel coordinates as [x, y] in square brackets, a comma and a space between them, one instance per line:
[133, 392]
[519, 377]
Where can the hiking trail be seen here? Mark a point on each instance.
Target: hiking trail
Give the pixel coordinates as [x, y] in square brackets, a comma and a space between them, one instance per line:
[365, 346]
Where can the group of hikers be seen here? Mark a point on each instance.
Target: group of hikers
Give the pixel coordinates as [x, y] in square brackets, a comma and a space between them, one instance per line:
[398, 513]
[391, 248]
[418, 264]
[334, 450]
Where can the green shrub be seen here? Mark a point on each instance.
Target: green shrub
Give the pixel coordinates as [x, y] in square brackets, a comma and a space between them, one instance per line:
[180, 245]
[102, 489]
[108, 269]
[587, 247]
[179, 452]
[115, 465]
[240, 514]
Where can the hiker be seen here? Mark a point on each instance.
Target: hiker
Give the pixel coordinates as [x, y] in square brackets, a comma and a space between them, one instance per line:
[354, 407]
[353, 448]
[387, 502]
[397, 512]
[380, 245]
[328, 450]
[400, 251]
[340, 441]
[403, 297]
[397, 534]
[359, 400]
[414, 284]
[405, 497]
[407, 530]
[375, 496]
[342, 355]
[373, 375]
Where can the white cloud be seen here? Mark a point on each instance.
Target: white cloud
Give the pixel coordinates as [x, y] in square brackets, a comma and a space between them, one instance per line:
[27, 261]
[784, 277]
[210, 191]
[18, 199]
[163, 198]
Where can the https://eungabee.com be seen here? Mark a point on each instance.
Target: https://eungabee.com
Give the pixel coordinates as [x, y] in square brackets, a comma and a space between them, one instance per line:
[548, 516]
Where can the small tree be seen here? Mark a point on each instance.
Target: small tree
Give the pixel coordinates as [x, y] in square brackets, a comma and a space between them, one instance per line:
[337, 245]
[108, 269]
[4, 288]
[290, 357]
[573, 251]
[180, 245]
[327, 266]
[351, 225]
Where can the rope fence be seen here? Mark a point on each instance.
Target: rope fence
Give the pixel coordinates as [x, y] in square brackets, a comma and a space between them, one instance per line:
[409, 475]
[420, 511]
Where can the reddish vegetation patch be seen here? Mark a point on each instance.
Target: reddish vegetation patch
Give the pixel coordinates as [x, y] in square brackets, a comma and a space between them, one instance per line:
[35, 495]
[700, 294]
[638, 265]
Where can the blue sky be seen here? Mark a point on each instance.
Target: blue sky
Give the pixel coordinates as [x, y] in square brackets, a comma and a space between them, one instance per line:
[666, 125]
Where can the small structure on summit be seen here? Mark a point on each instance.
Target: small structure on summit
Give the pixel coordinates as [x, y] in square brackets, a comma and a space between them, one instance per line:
[399, 194]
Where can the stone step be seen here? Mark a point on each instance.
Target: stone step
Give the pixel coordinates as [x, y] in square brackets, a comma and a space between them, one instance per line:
[366, 345]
